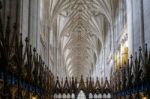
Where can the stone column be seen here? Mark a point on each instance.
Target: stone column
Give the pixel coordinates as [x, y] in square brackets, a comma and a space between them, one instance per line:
[142, 25]
[130, 26]
[24, 18]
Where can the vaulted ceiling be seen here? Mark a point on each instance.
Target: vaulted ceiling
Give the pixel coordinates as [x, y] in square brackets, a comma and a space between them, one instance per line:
[81, 31]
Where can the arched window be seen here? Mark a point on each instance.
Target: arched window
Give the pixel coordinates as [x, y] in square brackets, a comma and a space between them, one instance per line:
[90, 96]
[59, 96]
[104, 96]
[55, 96]
[68, 96]
[99, 96]
[64, 96]
[95, 96]
[109, 96]
[73, 96]
[81, 95]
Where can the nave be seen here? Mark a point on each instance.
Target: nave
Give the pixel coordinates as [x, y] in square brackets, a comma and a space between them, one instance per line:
[74, 49]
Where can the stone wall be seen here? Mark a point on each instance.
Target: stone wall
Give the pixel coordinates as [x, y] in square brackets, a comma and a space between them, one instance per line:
[138, 31]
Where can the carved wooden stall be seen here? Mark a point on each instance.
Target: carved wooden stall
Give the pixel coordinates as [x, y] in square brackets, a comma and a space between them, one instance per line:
[71, 88]
[132, 80]
[23, 74]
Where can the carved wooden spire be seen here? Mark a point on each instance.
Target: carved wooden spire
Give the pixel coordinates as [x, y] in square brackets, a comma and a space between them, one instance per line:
[81, 84]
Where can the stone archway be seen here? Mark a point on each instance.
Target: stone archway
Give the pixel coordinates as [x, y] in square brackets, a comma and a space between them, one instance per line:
[81, 95]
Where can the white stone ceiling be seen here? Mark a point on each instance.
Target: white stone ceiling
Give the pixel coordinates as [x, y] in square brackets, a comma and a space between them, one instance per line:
[81, 31]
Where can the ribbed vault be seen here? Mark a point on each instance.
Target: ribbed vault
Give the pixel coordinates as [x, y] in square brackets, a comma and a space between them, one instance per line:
[81, 34]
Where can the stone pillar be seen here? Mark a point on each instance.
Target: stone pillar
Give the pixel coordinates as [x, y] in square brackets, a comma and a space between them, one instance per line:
[55, 47]
[24, 18]
[130, 26]
[113, 47]
[142, 25]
